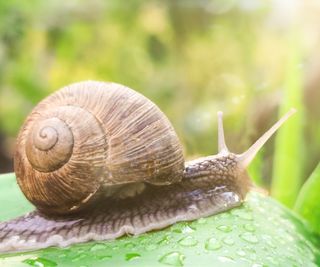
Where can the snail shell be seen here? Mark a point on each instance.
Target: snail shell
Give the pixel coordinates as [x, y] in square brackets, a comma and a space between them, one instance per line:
[99, 160]
[90, 137]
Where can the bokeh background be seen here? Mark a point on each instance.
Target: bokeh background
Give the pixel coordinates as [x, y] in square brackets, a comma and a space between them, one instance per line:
[252, 59]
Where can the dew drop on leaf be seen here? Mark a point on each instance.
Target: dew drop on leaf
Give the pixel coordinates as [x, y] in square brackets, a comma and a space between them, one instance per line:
[228, 241]
[164, 240]
[129, 245]
[151, 247]
[272, 260]
[187, 229]
[213, 244]
[173, 259]
[62, 255]
[224, 228]
[202, 220]
[132, 256]
[225, 259]
[188, 241]
[269, 241]
[249, 237]
[183, 228]
[104, 257]
[241, 253]
[249, 227]
[40, 262]
[97, 246]
[243, 214]
[79, 257]
[115, 247]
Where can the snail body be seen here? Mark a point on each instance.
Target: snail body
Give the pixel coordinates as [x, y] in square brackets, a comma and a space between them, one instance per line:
[99, 160]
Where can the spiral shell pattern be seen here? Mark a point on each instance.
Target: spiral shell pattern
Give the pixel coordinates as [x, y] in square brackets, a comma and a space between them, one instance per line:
[89, 136]
[49, 144]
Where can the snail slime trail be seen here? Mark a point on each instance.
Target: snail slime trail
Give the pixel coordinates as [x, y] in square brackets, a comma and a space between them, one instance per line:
[99, 160]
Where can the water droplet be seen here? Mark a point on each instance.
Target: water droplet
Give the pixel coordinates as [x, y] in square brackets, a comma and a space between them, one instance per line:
[129, 245]
[292, 259]
[173, 259]
[188, 241]
[269, 241]
[253, 256]
[224, 228]
[104, 257]
[97, 246]
[249, 237]
[188, 229]
[228, 241]
[241, 253]
[272, 260]
[79, 257]
[251, 253]
[288, 224]
[40, 262]
[249, 227]
[271, 244]
[243, 214]
[225, 259]
[224, 215]
[202, 220]
[213, 244]
[184, 228]
[132, 256]
[164, 240]
[250, 249]
[151, 247]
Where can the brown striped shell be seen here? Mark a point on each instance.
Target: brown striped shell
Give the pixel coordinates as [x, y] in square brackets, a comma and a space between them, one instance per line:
[91, 136]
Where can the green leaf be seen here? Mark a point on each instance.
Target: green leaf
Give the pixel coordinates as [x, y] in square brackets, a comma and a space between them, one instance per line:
[308, 202]
[255, 169]
[288, 163]
[259, 233]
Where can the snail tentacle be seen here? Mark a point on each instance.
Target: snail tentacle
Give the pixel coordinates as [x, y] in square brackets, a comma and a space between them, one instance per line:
[246, 157]
[222, 146]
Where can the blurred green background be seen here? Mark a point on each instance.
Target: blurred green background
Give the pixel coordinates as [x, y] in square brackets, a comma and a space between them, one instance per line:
[252, 59]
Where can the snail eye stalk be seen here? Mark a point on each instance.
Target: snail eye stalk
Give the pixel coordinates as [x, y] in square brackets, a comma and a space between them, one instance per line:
[246, 158]
[222, 147]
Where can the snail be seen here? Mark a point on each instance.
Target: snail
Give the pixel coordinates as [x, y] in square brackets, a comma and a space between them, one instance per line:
[99, 160]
